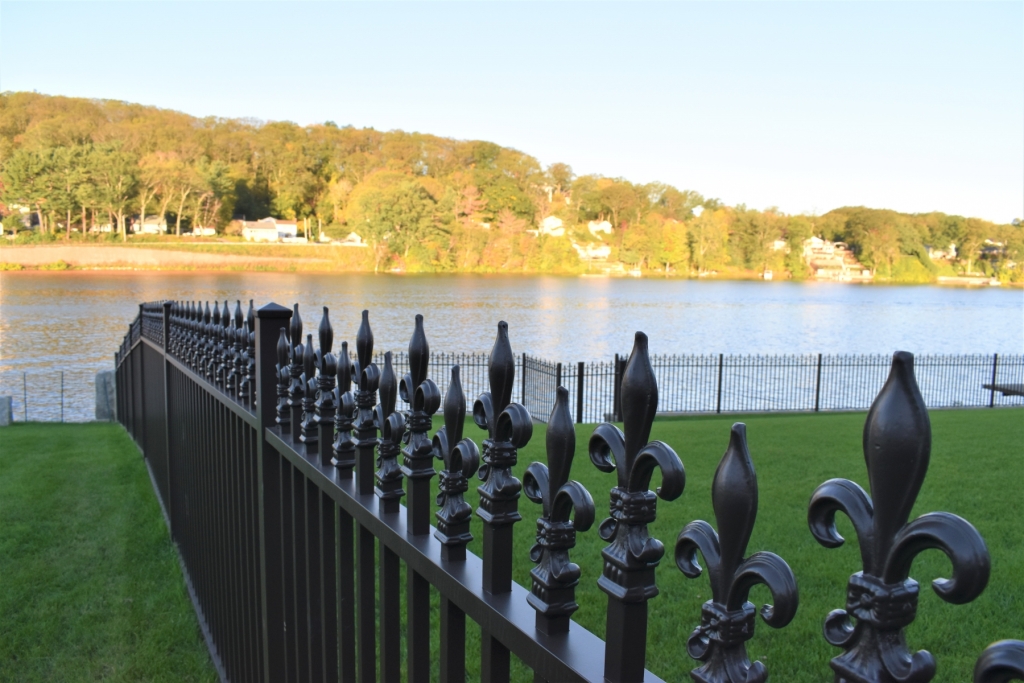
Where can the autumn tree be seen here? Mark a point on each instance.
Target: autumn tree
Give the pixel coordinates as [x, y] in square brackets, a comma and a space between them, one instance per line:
[709, 236]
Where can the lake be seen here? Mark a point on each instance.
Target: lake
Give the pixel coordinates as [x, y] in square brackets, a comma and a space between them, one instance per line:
[74, 321]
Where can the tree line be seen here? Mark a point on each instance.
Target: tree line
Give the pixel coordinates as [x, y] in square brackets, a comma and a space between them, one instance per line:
[424, 202]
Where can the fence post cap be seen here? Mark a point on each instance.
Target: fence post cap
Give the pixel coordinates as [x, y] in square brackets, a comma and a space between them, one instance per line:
[273, 310]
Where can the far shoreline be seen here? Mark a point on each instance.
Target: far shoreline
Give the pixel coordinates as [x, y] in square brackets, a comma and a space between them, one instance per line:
[165, 258]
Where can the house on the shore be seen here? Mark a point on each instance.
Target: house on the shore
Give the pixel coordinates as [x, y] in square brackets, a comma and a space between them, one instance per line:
[149, 225]
[594, 251]
[834, 261]
[270, 230]
[351, 240]
[552, 226]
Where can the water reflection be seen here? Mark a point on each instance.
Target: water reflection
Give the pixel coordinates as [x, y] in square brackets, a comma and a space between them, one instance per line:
[74, 321]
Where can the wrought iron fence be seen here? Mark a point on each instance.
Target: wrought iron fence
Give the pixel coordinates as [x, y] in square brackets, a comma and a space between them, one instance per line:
[282, 469]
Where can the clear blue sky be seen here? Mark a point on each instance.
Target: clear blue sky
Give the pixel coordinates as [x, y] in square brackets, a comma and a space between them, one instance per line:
[805, 106]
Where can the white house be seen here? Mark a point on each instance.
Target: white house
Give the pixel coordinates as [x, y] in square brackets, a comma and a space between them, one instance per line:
[150, 225]
[351, 240]
[947, 253]
[593, 251]
[603, 226]
[552, 225]
[270, 230]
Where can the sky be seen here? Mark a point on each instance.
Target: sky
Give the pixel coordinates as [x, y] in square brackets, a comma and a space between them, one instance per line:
[802, 106]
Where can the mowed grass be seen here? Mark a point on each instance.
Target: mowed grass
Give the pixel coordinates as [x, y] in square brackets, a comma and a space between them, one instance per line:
[90, 587]
[976, 471]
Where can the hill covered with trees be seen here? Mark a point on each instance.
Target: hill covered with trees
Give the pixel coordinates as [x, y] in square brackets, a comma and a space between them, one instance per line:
[428, 203]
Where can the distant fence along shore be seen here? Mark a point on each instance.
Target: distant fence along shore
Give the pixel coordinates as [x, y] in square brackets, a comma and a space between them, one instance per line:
[688, 384]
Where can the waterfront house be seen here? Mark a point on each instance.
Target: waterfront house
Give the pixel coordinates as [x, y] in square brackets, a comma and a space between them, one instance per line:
[270, 229]
[150, 225]
[351, 240]
[595, 251]
[552, 225]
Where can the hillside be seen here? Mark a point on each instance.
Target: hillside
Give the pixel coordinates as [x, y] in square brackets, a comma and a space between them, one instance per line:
[428, 203]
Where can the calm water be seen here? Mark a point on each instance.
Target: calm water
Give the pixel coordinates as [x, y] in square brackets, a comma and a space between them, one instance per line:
[74, 321]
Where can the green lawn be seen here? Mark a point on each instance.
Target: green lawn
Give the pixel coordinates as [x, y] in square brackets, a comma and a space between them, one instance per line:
[90, 587]
[976, 472]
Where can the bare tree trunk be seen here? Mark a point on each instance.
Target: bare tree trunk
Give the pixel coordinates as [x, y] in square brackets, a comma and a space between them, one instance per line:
[142, 212]
[163, 211]
[181, 207]
[84, 230]
[69, 224]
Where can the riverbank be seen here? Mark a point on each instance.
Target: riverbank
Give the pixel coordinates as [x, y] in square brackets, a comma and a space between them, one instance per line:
[158, 257]
[229, 256]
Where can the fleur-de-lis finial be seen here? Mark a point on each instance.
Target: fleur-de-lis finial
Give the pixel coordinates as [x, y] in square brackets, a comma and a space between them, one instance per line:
[509, 428]
[220, 345]
[309, 433]
[238, 339]
[727, 620]
[245, 391]
[196, 336]
[461, 459]
[1001, 662]
[632, 555]
[343, 449]
[553, 591]
[212, 326]
[324, 406]
[882, 598]
[424, 398]
[297, 385]
[283, 380]
[367, 378]
[225, 360]
[388, 477]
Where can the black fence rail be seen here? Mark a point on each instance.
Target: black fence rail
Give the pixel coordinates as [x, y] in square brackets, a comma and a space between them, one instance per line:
[295, 489]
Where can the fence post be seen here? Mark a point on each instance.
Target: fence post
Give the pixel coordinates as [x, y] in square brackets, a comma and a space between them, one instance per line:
[169, 503]
[580, 369]
[718, 404]
[367, 381]
[992, 395]
[522, 401]
[616, 381]
[270, 320]
[817, 387]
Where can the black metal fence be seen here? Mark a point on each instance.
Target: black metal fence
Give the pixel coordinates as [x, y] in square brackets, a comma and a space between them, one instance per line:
[688, 383]
[278, 471]
[720, 383]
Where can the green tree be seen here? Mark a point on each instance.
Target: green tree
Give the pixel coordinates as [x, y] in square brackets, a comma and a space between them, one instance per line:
[798, 230]
[393, 217]
[618, 198]
[115, 174]
[25, 180]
